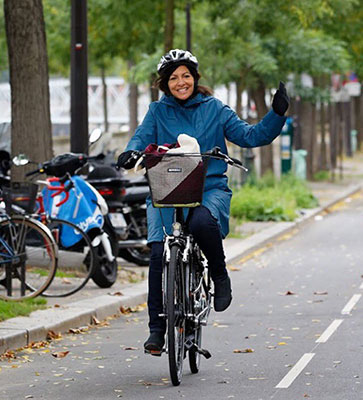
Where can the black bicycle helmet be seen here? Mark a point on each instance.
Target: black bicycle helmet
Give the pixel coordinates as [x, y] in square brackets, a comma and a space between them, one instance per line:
[177, 57]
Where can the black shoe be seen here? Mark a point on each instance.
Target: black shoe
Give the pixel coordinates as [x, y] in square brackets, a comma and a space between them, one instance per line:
[155, 343]
[222, 294]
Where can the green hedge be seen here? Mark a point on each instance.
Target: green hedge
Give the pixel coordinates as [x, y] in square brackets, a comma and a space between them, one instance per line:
[269, 199]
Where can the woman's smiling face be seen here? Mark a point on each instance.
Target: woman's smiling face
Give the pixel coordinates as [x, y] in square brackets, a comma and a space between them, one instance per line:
[181, 83]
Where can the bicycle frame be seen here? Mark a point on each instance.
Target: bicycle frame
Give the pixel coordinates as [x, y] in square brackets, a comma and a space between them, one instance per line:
[186, 279]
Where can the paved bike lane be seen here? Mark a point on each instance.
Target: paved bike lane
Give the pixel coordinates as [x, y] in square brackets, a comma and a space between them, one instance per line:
[82, 308]
[285, 298]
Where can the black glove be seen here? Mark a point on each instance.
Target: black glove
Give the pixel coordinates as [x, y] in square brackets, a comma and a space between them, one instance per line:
[127, 159]
[280, 102]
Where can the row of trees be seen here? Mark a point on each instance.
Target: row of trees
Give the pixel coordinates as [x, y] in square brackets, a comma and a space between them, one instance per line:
[252, 43]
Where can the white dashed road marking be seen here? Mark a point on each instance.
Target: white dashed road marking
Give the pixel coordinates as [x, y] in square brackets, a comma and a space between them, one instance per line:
[361, 286]
[351, 303]
[295, 371]
[329, 331]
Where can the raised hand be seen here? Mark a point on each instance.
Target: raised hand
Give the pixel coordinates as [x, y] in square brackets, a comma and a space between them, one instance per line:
[281, 101]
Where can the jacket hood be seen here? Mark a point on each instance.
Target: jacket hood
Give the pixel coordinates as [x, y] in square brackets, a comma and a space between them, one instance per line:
[171, 101]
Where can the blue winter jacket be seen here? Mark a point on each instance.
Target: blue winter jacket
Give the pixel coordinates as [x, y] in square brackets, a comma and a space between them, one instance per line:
[211, 122]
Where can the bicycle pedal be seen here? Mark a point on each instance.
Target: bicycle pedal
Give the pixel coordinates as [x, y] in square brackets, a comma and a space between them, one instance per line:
[204, 353]
[156, 353]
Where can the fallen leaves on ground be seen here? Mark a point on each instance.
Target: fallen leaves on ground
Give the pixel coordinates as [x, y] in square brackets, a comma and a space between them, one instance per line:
[8, 355]
[243, 351]
[131, 348]
[37, 345]
[60, 354]
[125, 310]
[320, 293]
[116, 294]
[288, 293]
[79, 330]
[51, 335]
[95, 321]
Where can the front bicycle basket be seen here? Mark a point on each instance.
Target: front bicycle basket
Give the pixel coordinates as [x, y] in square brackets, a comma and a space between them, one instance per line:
[175, 180]
[21, 194]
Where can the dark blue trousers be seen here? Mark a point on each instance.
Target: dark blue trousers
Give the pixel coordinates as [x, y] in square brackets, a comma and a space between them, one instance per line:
[207, 234]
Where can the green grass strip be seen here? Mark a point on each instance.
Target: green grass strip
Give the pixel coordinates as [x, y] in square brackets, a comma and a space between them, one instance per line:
[11, 309]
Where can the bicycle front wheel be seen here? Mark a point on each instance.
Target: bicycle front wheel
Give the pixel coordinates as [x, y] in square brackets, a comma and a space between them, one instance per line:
[28, 258]
[175, 315]
[76, 261]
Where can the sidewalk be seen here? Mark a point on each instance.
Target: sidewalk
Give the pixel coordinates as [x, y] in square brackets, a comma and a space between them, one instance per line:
[93, 302]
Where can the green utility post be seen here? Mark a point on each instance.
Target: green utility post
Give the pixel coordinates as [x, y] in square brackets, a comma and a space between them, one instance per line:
[287, 134]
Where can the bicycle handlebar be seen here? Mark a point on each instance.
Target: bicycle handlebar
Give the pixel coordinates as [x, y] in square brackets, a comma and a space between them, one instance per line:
[213, 153]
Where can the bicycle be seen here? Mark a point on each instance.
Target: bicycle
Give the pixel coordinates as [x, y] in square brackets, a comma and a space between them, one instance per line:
[187, 287]
[28, 252]
[76, 262]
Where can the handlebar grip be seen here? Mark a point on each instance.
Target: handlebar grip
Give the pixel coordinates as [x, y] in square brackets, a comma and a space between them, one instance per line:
[236, 161]
[215, 151]
[69, 186]
[63, 179]
[30, 173]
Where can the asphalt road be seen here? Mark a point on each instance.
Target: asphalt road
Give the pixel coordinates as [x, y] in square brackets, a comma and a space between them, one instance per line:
[294, 331]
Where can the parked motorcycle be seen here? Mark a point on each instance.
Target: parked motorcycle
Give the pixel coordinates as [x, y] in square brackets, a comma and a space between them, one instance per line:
[4, 168]
[125, 198]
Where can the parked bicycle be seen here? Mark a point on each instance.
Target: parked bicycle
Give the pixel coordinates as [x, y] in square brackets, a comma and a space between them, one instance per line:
[86, 209]
[28, 251]
[76, 261]
[187, 288]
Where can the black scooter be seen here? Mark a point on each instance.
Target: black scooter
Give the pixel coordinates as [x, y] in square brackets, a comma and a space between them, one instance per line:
[125, 198]
[4, 168]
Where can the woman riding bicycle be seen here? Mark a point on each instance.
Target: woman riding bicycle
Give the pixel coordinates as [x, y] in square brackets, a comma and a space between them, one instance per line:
[187, 107]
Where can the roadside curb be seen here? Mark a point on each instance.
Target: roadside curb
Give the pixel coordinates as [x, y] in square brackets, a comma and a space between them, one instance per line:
[22, 331]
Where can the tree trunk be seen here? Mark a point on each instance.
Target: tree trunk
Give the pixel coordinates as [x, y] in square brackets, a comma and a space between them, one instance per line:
[104, 97]
[228, 88]
[266, 154]
[341, 137]
[133, 106]
[347, 128]
[323, 155]
[239, 90]
[358, 118]
[169, 25]
[297, 125]
[332, 137]
[306, 121]
[154, 92]
[30, 126]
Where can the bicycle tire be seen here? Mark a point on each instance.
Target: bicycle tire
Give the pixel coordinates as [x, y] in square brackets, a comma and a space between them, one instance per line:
[175, 315]
[33, 260]
[77, 262]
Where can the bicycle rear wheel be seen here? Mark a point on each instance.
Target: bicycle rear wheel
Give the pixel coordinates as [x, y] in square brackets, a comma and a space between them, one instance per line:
[28, 258]
[76, 261]
[175, 315]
